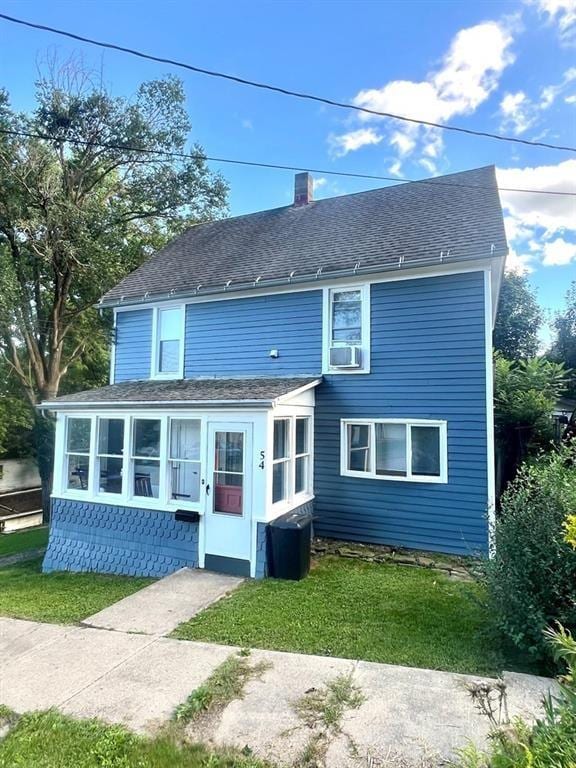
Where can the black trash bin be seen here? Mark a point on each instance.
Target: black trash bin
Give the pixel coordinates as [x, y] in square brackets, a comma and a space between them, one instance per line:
[289, 539]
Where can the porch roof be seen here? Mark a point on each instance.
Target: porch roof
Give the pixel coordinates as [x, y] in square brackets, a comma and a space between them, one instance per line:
[183, 393]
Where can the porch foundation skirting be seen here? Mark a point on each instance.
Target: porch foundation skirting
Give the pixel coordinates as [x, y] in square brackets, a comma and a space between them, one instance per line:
[86, 536]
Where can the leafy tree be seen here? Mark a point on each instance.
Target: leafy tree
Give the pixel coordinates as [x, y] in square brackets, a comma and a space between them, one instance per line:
[525, 392]
[518, 320]
[564, 346]
[16, 417]
[76, 216]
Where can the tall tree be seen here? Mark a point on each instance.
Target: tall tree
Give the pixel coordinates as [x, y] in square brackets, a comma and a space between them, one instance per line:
[564, 345]
[81, 209]
[525, 392]
[518, 320]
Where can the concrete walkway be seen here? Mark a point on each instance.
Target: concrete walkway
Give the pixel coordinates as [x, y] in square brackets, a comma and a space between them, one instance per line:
[161, 607]
[138, 680]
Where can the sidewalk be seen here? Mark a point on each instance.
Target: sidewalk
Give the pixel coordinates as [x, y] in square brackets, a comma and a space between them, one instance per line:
[138, 680]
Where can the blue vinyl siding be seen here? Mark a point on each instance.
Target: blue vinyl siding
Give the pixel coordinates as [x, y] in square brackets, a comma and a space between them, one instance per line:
[427, 361]
[133, 345]
[234, 337]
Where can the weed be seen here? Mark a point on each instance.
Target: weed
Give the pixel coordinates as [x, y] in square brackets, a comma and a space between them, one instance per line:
[225, 684]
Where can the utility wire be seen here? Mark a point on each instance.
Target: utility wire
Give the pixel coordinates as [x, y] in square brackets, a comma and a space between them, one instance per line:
[275, 166]
[283, 91]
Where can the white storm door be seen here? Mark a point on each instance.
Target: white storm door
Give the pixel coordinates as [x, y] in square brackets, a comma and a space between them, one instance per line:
[228, 490]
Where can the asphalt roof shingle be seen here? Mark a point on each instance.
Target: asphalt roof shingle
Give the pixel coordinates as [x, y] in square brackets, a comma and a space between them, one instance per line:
[409, 224]
[193, 391]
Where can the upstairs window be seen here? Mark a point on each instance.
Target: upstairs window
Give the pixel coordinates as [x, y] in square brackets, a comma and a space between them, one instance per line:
[168, 343]
[347, 330]
[395, 449]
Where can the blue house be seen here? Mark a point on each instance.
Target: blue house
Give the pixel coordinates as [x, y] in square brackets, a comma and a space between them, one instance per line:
[330, 355]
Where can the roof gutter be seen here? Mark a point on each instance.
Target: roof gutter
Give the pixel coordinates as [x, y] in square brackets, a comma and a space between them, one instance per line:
[75, 405]
[444, 258]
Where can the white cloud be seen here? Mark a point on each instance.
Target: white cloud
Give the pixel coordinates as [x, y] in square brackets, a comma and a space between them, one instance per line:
[350, 142]
[539, 227]
[318, 183]
[520, 112]
[548, 212]
[558, 252]
[468, 73]
[516, 111]
[562, 13]
[516, 262]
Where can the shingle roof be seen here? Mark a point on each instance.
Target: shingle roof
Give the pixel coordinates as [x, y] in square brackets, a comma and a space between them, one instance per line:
[186, 392]
[458, 216]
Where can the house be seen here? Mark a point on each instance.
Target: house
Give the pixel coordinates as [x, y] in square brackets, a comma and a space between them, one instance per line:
[330, 355]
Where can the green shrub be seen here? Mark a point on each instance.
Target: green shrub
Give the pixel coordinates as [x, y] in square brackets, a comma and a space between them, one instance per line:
[531, 579]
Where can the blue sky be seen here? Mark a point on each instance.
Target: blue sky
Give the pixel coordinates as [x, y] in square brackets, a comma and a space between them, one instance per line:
[497, 66]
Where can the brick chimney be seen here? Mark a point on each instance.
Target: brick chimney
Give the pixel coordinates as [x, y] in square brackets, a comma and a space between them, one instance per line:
[303, 189]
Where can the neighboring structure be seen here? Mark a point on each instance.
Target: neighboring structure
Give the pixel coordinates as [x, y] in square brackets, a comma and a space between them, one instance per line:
[334, 354]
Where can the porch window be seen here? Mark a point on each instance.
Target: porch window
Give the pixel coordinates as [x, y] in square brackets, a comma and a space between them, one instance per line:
[281, 460]
[301, 481]
[110, 455]
[291, 457]
[78, 433]
[168, 342]
[146, 458]
[395, 449]
[184, 460]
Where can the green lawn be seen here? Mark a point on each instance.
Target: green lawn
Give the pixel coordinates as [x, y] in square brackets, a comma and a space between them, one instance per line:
[51, 740]
[12, 543]
[60, 598]
[360, 610]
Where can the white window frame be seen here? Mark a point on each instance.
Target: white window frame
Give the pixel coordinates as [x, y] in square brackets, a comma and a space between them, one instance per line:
[307, 454]
[155, 372]
[288, 460]
[83, 492]
[97, 456]
[293, 498]
[327, 294]
[160, 459]
[183, 503]
[409, 477]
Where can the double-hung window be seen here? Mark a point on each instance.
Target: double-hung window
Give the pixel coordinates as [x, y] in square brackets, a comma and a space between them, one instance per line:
[291, 458]
[281, 460]
[395, 449]
[110, 455]
[347, 329]
[184, 460]
[78, 434]
[167, 356]
[146, 458]
[302, 455]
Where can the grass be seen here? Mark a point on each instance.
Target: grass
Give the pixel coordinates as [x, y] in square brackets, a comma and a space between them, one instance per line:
[360, 610]
[51, 740]
[225, 684]
[13, 543]
[60, 598]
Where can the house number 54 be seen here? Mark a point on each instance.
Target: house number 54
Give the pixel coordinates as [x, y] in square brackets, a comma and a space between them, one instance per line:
[262, 455]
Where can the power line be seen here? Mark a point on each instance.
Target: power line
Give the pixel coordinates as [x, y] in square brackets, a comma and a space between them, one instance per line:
[275, 166]
[283, 91]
